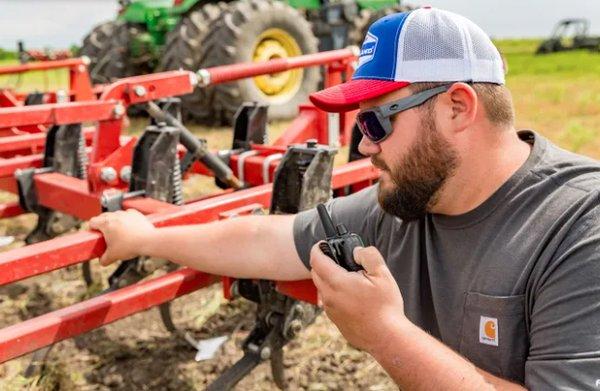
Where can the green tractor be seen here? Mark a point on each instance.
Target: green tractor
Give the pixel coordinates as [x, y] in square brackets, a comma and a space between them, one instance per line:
[159, 35]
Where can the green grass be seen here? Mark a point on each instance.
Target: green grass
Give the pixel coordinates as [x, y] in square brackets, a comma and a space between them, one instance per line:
[512, 46]
[556, 94]
[34, 81]
[7, 55]
[522, 61]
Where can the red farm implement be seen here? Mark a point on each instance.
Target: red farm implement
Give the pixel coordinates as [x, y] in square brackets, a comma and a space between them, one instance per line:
[30, 139]
[79, 87]
[69, 184]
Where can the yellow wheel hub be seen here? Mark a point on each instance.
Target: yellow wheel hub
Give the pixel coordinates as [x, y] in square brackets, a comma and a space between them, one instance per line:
[272, 44]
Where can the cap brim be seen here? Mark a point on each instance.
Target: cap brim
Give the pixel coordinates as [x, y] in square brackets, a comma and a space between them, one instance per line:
[346, 96]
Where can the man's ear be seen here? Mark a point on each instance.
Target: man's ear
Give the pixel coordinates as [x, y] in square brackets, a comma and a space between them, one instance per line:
[460, 103]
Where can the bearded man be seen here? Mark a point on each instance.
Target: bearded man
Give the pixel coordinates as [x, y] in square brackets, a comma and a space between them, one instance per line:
[482, 268]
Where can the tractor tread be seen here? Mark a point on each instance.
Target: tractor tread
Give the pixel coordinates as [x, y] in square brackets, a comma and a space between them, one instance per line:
[223, 45]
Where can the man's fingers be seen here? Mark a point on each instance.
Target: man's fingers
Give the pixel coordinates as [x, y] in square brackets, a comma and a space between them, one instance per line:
[99, 221]
[325, 292]
[134, 211]
[371, 260]
[104, 259]
[316, 280]
[96, 222]
[323, 265]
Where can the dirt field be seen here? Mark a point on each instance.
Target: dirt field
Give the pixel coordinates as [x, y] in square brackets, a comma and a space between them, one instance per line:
[558, 95]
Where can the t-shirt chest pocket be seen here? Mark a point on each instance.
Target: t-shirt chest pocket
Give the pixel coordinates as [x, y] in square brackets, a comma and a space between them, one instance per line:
[493, 334]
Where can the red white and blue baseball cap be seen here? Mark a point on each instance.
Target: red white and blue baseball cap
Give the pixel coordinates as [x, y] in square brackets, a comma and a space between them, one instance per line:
[423, 45]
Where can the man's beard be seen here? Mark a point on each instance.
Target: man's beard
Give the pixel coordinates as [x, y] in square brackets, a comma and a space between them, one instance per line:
[418, 177]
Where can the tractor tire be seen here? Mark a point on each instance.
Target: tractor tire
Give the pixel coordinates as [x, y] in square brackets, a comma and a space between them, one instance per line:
[367, 17]
[182, 50]
[258, 30]
[114, 61]
[97, 41]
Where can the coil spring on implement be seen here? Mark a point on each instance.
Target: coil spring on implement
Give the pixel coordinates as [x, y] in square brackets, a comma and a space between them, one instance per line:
[177, 183]
[82, 157]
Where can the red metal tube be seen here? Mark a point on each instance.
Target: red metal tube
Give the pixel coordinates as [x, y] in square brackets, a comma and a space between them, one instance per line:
[75, 248]
[10, 209]
[71, 249]
[225, 73]
[309, 123]
[9, 166]
[67, 194]
[58, 113]
[82, 317]
[144, 88]
[32, 142]
[41, 66]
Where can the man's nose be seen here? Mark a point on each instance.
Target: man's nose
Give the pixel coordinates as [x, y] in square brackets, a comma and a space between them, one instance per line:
[368, 147]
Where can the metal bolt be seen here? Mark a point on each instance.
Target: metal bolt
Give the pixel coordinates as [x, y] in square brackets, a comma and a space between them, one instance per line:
[125, 174]
[203, 77]
[108, 174]
[139, 90]
[299, 309]
[311, 143]
[61, 96]
[104, 199]
[234, 290]
[193, 79]
[265, 353]
[296, 326]
[119, 110]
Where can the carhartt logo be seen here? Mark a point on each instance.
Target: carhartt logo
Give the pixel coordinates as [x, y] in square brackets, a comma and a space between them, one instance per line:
[488, 331]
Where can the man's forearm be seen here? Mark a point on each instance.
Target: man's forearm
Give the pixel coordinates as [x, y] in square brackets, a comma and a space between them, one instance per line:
[245, 247]
[417, 361]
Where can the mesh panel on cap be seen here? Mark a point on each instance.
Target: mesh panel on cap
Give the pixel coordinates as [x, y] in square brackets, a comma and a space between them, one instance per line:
[432, 36]
[482, 47]
[436, 45]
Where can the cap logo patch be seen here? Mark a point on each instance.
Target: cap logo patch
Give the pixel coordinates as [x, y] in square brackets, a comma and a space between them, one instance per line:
[488, 331]
[367, 51]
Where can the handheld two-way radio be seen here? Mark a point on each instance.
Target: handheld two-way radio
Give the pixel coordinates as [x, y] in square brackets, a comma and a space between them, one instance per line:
[339, 243]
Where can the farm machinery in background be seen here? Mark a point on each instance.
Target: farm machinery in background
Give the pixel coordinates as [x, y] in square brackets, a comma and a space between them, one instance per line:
[29, 55]
[79, 86]
[570, 34]
[22, 145]
[159, 35]
[293, 173]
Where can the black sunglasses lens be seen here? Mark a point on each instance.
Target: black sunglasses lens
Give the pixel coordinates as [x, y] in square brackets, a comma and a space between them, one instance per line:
[370, 125]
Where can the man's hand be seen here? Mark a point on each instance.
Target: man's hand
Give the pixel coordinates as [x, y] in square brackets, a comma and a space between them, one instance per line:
[364, 305]
[125, 233]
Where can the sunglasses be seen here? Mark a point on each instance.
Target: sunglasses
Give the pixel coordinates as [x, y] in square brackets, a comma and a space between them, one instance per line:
[375, 124]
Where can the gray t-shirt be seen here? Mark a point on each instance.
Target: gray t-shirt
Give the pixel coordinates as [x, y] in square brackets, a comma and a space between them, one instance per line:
[513, 285]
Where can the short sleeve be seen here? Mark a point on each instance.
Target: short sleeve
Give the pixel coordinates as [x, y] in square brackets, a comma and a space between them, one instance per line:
[358, 212]
[564, 352]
